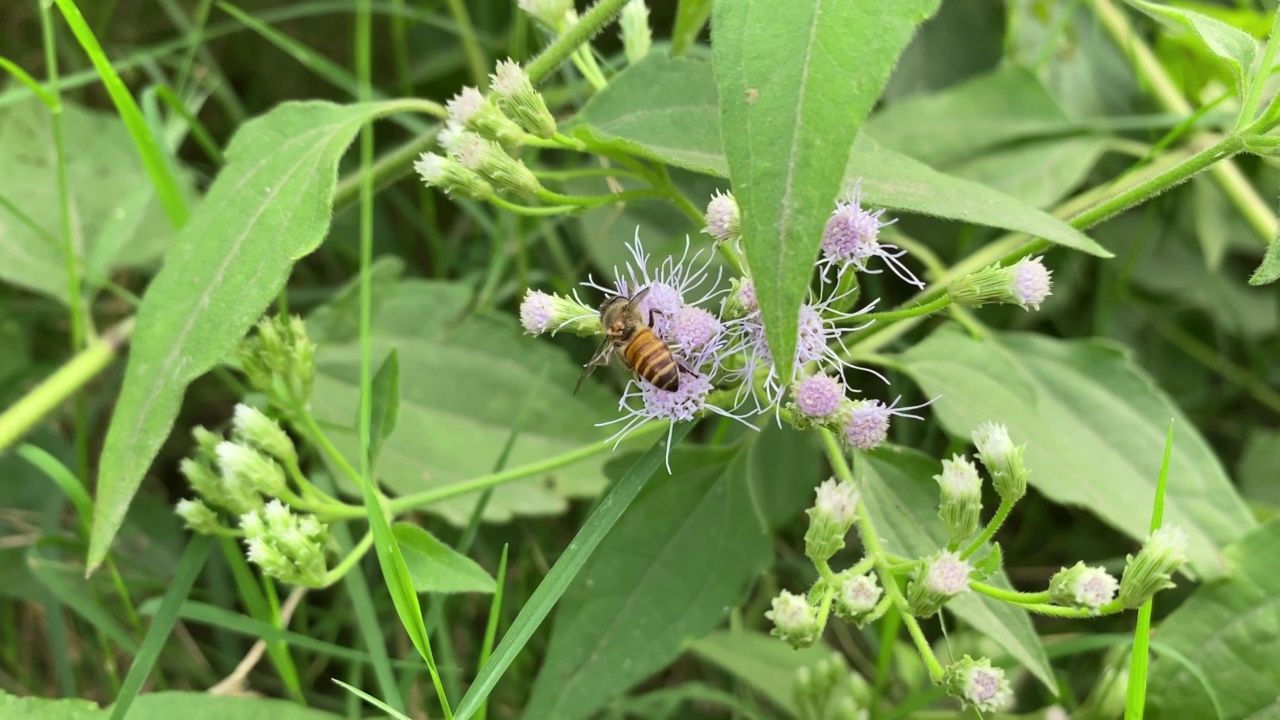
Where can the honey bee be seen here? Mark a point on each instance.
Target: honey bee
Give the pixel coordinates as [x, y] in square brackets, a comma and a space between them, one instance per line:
[642, 351]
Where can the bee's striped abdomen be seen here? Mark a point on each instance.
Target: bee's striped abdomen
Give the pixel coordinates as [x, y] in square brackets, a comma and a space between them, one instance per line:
[651, 359]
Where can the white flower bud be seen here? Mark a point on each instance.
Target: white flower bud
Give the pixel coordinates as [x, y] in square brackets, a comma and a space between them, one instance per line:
[515, 95]
[961, 491]
[978, 684]
[1083, 587]
[1151, 570]
[944, 577]
[252, 426]
[1025, 284]
[830, 519]
[197, 516]
[450, 176]
[471, 110]
[490, 160]
[723, 218]
[857, 596]
[794, 620]
[286, 546]
[541, 312]
[1002, 460]
[633, 25]
[243, 466]
[548, 12]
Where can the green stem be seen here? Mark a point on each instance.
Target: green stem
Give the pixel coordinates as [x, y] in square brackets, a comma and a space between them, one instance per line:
[1249, 108]
[1002, 514]
[1010, 596]
[591, 201]
[340, 570]
[874, 549]
[530, 211]
[1070, 612]
[933, 306]
[62, 384]
[317, 435]
[591, 22]
[477, 63]
[426, 497]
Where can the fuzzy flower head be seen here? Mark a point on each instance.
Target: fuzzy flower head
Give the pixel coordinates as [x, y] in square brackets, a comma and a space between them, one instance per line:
[852, 238]
[197, 516]
[1083, 587]
[471, 110]
[830, 518]
[1002, 459]
[452, 176]
[514, 94]
[547, 12]
[540, 313]
[961, 492]
[944, 576]
[286, 546]
[858, 596]
[1025, 284]
[794, 620]
[818, 396]
[1152, 569]
[1032, 283]
[633, 24]
[978, 684]
[867, 423]
[724, 219]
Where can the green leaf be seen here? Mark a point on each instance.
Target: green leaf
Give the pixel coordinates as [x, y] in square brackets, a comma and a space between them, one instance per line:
[639, 599]
[1094, 425]
[549, 591]
[989, 564]
[464, 379]
[764, 662]
[385, 403]
[665, 110]
[795, 82]
[436, 567]
[117, 217]
[204, 706]
[1237, 47]
[1039, 173]
[992, 110]
[268, 207]
[1269, 269]
[902, 498]
[1225, 635]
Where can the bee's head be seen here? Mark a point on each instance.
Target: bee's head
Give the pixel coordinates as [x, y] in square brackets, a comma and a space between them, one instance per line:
[612, 309]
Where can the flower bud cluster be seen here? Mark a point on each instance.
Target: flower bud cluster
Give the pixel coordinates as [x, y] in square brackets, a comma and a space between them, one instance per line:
[479, 129]
[287, 546]
[830, 690]
[279, 361]
[235, 475]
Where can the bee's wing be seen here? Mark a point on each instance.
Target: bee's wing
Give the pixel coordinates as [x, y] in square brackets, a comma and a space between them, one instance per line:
[603, 353]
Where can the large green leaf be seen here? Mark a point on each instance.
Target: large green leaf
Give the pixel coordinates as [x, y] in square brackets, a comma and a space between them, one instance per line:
[463, 380]
[1039, 173]
[762, 661]
[1094, 425]
[268, 207]
[1234, 46]
[796, 80]
[641, 596]
[665, 110]
[117, 220]
[902, 498]
[1225, 636]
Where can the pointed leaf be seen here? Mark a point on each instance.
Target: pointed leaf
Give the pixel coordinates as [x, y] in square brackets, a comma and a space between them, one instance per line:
[436, 567]
[796, 80]
[385, 403]
[1094, 425]
[268, 207]
[1235, 46]
[1269, 269]
[640, 598]
[665, 110]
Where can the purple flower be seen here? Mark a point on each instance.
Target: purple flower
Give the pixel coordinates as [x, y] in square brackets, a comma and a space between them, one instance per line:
[868, 422]
[724, 220]
[1032, 283]
[852, 237]
[818, 396]
[537, 311]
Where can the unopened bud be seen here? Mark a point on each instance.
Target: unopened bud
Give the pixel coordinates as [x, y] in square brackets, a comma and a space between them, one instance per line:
[286, 546]
[961, 491]
[1002, 460]
[515, 95]
[208, 485]
[542, 312]
[452, 177]
[857, 596]
[1151, 570]
[1025, 284]
[723, 218]
[943, 577]
[242, 465]
[794, 620]
[279, 360]
[252, 426]
[830, 518]
[1083, 587]
[633, 23]
[470, 109]
[490, 160]
[197, 516]
[206, 442]
[979, 685]
[548, 12]
[741, 300]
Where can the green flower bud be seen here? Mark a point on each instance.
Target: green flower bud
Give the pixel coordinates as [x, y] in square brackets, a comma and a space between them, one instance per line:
[1025, 284]
[1083, 587]
[280, 361]
[1151, 570]
[943, 577]
[794, 620]
[286, 546]
[250, 425]
[1002, 460]
[206, 483]
[857, 596]
[830, 519]
[741, 300]
[197, 516]
[450, 176]
[243, 466]
[490, 160]
[514, 94]
[633, 24]
[540, 313]
[471, 110]
[961, 490]
[978, 684]
[206, 441]
[548, 12]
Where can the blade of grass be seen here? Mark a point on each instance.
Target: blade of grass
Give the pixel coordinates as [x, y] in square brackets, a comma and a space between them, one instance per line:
[367, 621]
[373, 701]
[198, 130]
[221, 88]
[162, 624]
[153, 159]
[491, 627]
[1136, 697]
[62, 476]
[45, 96]
[477, 63]
[566, 568]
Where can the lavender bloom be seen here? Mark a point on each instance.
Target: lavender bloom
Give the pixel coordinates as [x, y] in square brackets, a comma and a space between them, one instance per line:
[868, 422]
[852, 237]
[724, 220]
[818, 396]
[1032, 283]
